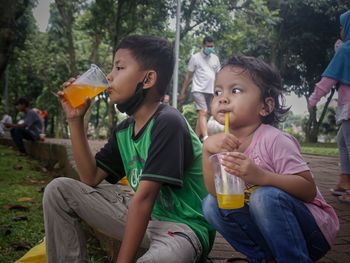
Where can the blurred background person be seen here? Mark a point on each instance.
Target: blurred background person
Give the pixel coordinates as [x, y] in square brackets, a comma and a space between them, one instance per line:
[29, 129]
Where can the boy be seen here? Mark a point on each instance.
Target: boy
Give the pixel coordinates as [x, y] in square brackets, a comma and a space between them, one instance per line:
[30, 129]
[202, 69]
[158, 152]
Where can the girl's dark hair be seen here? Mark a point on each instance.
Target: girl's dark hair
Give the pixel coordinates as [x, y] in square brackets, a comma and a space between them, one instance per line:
[152, 53]
[269, 81]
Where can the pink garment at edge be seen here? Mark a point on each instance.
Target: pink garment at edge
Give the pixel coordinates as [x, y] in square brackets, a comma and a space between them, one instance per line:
[323, 87]
[278, 152]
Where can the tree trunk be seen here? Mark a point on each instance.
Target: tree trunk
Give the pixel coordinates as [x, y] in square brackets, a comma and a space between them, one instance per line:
[11, 11]
[313, 125]
[67, 17]
[94, 53]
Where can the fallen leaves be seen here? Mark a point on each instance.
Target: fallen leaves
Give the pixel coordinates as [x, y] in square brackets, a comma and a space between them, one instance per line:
[16, 207]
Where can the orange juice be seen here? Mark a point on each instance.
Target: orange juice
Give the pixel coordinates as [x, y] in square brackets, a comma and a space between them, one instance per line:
[75, 94]
[230, 201]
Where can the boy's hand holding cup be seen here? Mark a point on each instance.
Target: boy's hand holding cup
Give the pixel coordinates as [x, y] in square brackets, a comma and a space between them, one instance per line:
[78, 92]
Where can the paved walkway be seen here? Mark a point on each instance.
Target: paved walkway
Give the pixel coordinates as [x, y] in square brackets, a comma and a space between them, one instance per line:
[325, 170]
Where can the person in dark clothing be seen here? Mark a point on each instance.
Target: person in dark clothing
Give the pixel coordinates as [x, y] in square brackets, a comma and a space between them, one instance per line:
[30, 129]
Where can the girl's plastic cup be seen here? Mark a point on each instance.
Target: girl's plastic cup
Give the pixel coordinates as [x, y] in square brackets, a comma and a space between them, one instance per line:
[90, 84]
[229, 188]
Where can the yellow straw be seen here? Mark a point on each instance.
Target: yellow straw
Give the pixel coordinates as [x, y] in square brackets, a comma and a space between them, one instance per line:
[227, 123]
[224, 178]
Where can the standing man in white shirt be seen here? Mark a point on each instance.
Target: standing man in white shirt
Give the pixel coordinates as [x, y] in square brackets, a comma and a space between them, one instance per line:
[202, 70]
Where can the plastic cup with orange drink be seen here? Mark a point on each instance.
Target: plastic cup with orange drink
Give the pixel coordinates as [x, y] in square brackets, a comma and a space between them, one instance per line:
[89, 84]
[229, 188]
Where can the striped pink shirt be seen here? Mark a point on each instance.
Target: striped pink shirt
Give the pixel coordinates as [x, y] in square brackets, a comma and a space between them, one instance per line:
[279, 152]
[323, 87]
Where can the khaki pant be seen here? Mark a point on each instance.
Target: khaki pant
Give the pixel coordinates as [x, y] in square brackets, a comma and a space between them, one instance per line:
[67, 201]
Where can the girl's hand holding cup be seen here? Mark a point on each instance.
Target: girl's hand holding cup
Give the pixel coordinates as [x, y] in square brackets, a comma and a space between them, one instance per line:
[221, 142]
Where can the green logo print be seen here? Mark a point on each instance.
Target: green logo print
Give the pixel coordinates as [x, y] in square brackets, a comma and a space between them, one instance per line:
[135, 170]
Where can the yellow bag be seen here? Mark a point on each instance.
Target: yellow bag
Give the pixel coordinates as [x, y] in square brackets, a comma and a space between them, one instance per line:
[36, 254]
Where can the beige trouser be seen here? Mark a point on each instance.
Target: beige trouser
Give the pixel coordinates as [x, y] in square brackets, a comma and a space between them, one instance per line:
[67, 201]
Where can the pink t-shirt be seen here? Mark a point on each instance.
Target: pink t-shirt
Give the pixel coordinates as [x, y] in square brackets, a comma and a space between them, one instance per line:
[279, 152]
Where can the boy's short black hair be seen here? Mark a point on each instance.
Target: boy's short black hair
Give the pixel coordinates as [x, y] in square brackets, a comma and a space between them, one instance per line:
[208, 39]
[22, 101]
[269, 81]
[152, 53]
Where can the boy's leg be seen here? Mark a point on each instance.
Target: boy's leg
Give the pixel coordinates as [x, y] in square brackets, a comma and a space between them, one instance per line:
[18, 134]
[238, 228]
[202, 113]
[287, 225]
[66, 202]
[171, 243]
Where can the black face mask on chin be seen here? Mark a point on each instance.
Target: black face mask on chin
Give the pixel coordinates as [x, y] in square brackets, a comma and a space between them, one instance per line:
[131, 105]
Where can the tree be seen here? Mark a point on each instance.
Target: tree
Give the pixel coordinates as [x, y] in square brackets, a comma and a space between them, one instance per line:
[16, 23]
[306, 36]
[14, 15]
[67, 9]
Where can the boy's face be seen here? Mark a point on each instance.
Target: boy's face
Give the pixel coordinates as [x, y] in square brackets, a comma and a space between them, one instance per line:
[124, 77]
[236, 93]
[20, 107]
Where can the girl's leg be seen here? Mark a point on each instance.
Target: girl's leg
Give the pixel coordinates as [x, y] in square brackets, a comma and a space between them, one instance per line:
[287, 225]
[343, 141]
[237, 227]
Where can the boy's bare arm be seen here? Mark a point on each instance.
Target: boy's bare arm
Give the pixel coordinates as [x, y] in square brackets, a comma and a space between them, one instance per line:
[186, 83]
[89, 173]
[208, 173]
[138, 217]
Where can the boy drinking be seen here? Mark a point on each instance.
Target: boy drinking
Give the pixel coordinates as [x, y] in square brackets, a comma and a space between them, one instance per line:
[157, 151]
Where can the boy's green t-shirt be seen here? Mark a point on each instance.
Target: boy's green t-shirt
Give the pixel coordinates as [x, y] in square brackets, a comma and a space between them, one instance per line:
[166, 150]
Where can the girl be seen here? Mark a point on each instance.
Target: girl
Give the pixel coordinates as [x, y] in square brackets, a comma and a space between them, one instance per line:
[285, 218]
[338, 73]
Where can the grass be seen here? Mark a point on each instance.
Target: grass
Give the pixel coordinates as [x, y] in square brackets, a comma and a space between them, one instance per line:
[326, 149]
[20, 177]
[22, 181]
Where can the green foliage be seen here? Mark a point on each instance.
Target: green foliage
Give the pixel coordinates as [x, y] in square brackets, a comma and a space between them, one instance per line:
[297, 36]
[249, 31]
[190, 113]
[326, 149]
[297, 135]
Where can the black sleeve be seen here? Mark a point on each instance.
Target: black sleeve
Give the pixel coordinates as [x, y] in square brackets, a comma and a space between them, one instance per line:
[109, 160]
[171, 151]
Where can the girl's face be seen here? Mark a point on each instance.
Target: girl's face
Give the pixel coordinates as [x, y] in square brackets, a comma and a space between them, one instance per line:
[124, 77]
[236, 93]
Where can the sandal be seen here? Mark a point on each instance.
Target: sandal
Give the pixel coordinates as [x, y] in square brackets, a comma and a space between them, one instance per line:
[338, 191]
[229, 260]
[345, 198]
